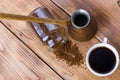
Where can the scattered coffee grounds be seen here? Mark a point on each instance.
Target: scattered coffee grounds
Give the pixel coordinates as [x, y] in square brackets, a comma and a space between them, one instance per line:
[68, 52]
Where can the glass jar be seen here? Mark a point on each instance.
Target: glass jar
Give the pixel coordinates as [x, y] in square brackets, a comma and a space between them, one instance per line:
[50, 34]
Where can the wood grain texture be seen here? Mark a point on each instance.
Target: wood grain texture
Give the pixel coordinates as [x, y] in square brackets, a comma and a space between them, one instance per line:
[6, 71]
[106, 13]
[16, 56]
[27, 34]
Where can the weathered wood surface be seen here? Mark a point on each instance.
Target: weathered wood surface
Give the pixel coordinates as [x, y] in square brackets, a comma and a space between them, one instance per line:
[17, 62]
[27, 35]
[107, 14]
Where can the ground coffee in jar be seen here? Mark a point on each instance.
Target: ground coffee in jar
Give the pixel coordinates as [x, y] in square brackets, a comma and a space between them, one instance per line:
[54, 36]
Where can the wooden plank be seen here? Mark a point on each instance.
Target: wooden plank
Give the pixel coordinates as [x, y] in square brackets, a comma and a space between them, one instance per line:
[8, 55]
[106, 12]
[7, 70]
[108, 19]
[27, 34]
[27, 65]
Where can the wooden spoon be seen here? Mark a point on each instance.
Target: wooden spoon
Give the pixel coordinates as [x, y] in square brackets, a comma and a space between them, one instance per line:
[33, 19]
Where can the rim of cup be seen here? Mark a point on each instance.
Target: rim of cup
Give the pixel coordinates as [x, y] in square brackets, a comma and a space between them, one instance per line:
[106, 46]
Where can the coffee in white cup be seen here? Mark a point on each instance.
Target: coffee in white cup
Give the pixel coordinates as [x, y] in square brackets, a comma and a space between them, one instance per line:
[102, 59]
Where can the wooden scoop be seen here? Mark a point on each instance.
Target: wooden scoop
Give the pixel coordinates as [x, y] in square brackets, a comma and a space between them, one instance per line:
[33, 19]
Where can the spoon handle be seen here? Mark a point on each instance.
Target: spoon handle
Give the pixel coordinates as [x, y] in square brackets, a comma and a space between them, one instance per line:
[33, 19]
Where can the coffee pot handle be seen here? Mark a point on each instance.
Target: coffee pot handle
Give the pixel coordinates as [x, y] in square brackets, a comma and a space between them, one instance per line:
[105, 40]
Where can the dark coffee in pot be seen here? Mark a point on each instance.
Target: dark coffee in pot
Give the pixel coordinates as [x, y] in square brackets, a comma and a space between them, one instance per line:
[80, 20]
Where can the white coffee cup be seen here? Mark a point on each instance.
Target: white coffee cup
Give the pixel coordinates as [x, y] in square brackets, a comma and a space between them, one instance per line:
[111, 48]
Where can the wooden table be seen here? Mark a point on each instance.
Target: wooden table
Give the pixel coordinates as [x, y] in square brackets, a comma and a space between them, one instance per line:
[22, 55]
